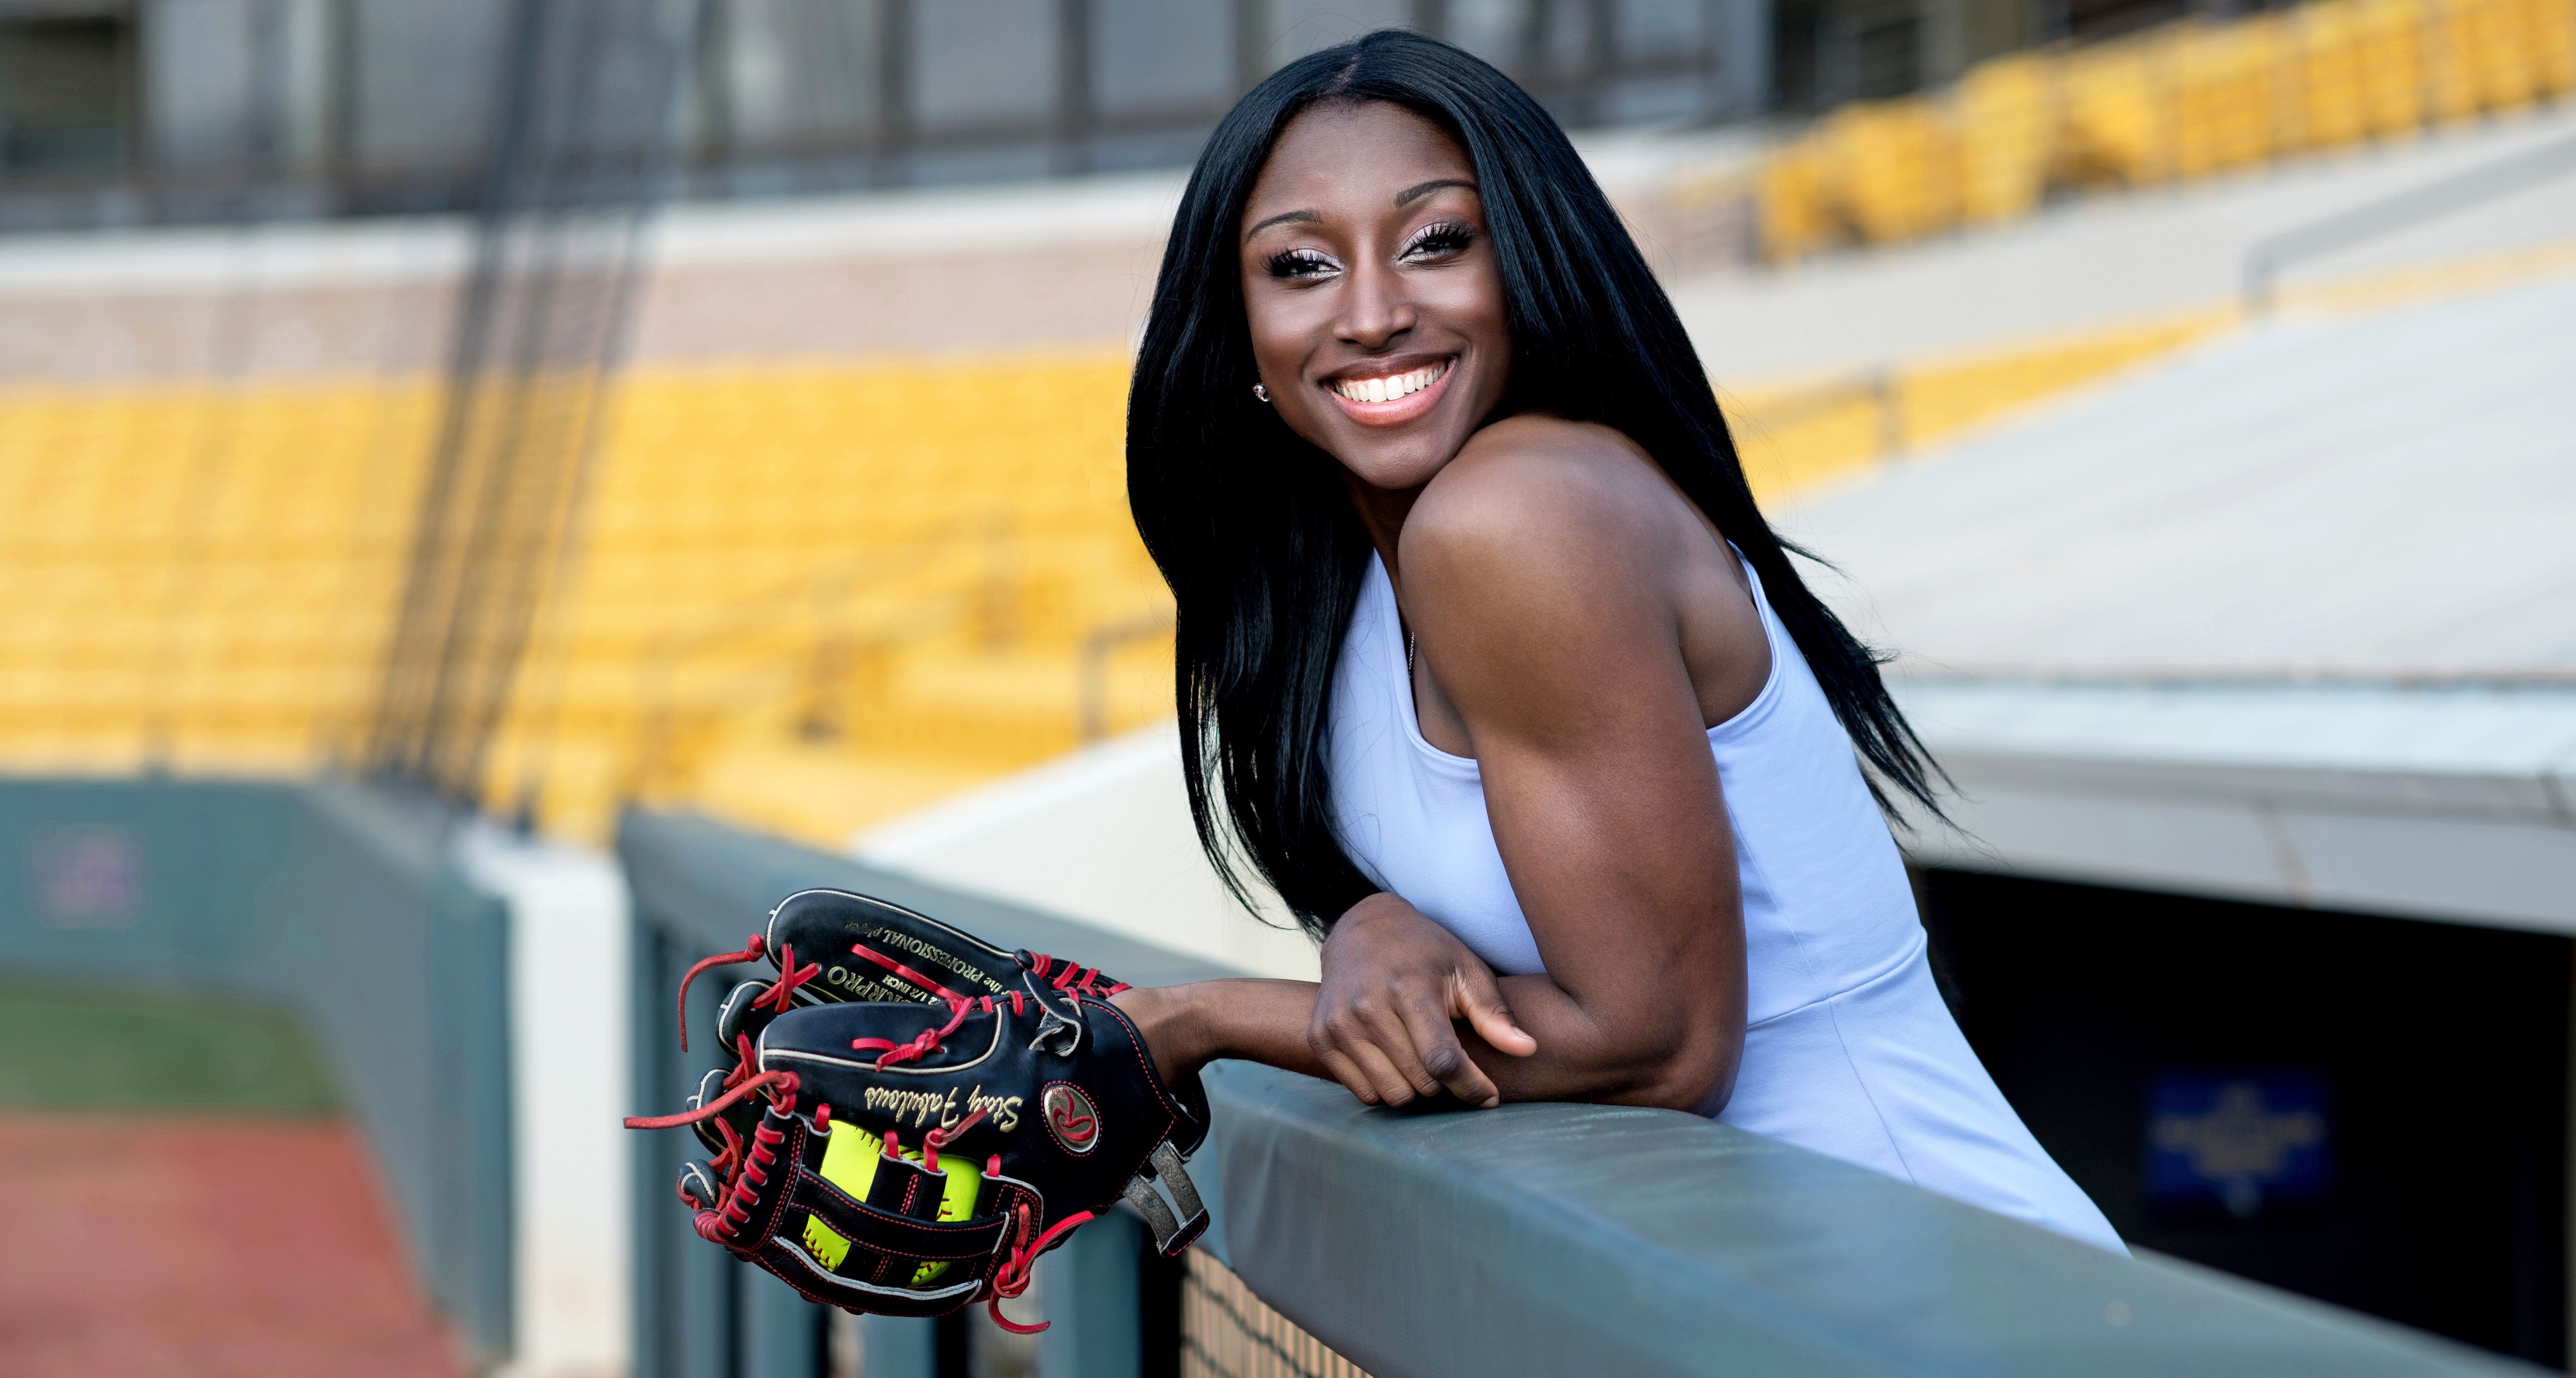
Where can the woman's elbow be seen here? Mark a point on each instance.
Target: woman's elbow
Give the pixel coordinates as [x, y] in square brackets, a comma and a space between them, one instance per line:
[1695, 1070]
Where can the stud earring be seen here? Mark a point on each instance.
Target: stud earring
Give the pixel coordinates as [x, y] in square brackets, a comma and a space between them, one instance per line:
[1261, 392]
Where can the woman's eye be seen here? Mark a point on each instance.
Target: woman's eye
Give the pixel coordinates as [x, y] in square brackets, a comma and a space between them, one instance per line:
[1299, 263]
[1440, 241]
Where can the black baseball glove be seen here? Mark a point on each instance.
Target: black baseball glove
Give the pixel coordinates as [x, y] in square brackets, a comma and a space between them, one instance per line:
[908, 1157]
[860, 949]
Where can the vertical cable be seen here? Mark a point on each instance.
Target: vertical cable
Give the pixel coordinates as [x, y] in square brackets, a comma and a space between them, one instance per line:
[586, 126]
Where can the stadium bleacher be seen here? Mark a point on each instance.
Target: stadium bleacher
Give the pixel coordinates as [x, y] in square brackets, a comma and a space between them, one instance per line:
[812, 596]
[895, 562]
[197, 577]
[2183, 100]
[828, 578]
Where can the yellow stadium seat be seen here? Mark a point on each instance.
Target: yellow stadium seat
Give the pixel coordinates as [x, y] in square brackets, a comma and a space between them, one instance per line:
[2190, 98]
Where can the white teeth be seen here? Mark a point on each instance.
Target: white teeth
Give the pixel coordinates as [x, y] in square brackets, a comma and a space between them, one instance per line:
[1388, 389]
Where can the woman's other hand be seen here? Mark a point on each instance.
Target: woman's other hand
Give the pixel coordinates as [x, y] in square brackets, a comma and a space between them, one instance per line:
[1395, 986]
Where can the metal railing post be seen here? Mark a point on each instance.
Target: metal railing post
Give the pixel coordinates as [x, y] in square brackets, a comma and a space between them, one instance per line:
[2459, 191]
[1891, 412]
[1094, 1303]
[1091, 714]
[2257, 286]
[899, 1347]
[782, 1333]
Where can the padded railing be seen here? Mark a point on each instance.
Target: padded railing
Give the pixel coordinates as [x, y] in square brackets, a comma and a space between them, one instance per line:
[1554, 1239]
[336, 902]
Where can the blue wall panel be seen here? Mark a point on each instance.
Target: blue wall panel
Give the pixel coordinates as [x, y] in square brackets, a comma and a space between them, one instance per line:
[333, 901]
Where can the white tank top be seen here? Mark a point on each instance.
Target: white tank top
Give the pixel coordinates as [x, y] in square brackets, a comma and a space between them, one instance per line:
[1848, 1048]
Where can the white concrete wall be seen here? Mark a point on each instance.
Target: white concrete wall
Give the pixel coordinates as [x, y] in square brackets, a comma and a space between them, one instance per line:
[1104, 836]
[2450, 804]
[569, 1078]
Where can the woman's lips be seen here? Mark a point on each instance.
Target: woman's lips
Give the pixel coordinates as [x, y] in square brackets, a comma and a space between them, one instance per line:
[1398, 410]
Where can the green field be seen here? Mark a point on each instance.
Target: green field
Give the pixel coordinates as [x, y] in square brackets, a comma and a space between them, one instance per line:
[66, 1046]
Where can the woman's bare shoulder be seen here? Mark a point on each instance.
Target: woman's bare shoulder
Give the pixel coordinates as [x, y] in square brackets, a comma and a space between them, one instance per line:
[1542, 523]
[1537, 443]
[1539, 486]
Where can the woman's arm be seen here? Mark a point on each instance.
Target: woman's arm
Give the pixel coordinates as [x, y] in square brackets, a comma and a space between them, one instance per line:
[1277, 1022]
[1559, 586]
[1546, 575]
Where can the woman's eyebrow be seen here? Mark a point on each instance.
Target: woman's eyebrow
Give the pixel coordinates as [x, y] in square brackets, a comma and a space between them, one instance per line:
[1419, 190]
[1405, 197]
[1304, 217]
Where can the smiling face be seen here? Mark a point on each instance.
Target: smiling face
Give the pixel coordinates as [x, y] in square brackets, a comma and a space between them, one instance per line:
[1375, 305]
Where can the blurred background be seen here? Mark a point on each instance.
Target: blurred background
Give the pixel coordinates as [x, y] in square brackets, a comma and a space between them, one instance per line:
[430, 432]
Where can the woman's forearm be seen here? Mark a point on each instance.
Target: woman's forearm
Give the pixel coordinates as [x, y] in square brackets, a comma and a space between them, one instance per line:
[1639, 1057]
[1259, 1020]
[1267, 1021]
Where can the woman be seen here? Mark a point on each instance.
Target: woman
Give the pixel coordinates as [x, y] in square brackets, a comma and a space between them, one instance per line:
[1491, 670]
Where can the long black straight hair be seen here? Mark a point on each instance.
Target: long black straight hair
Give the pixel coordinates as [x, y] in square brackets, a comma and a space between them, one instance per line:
[1250, 523]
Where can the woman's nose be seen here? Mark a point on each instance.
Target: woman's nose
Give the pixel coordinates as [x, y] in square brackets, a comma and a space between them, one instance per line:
[1375, 309]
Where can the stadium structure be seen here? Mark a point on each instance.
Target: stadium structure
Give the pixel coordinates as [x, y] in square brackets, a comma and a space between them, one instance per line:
[470, 545]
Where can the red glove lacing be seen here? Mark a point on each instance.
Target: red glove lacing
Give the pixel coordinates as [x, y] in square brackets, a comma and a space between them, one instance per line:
[928, 1040]
[751, 951]
[1012, 1278]
[923, 1045]
[741, 1090]
[1071, 978]
[907, 973]
[940, 1137]
[749, 1170]
[1075, 978]
[790, 976]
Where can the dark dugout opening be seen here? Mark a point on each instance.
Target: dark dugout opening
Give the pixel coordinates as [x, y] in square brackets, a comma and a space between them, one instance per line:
[2369, 1111]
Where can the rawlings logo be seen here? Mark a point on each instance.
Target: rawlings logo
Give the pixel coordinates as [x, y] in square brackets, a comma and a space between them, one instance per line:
[1070, 1118]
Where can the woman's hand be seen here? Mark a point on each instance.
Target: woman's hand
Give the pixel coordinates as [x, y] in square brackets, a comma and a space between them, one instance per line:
[1395, 983]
